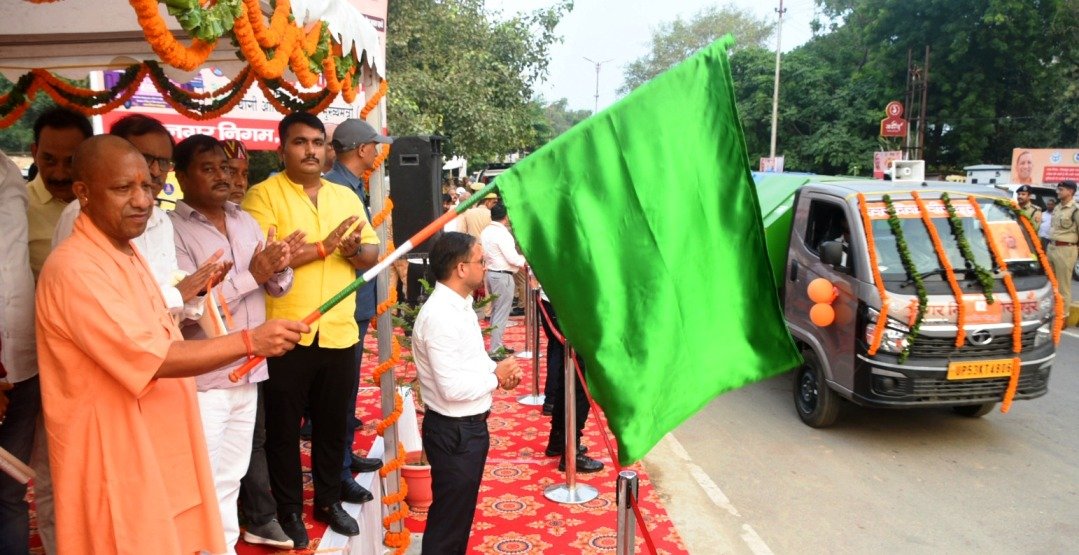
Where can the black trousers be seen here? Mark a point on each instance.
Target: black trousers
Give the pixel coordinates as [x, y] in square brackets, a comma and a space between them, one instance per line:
[320, 378]
[457, 451]
[555, 385]
[256, 499]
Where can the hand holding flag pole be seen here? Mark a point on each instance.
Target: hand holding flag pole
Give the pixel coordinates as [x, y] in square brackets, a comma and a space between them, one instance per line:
[406, 247]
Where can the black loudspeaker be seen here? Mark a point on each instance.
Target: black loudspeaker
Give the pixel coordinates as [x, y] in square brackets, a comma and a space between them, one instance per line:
[415, 168]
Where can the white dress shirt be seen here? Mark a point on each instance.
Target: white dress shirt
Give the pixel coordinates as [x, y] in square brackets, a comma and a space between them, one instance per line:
[156, 245]
[499, 250]
[18, 352]
[1043, 229]
[456, 375]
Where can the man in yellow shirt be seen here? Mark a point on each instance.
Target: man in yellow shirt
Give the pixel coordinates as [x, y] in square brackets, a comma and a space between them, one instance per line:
[319, 372]
[57, 133]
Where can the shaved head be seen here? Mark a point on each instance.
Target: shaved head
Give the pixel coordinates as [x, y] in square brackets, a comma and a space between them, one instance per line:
[96, 152]
[113, 184]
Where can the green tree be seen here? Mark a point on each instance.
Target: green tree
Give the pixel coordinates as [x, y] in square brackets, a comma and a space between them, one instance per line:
[16, 139]
[675, 41]
[462, 72]
[998, 69]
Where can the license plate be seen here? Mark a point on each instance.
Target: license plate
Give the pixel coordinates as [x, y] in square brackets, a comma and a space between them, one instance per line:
[975, 369]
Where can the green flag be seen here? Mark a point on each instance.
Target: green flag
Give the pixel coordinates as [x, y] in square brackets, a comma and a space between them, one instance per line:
[643, 227]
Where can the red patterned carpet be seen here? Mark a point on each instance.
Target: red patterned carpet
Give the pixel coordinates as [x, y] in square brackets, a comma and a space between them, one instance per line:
[513, 516]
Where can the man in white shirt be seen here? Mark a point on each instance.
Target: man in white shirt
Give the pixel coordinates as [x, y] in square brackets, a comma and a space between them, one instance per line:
[457, 379]
[20, 392]
[156, 244]
[503, 260]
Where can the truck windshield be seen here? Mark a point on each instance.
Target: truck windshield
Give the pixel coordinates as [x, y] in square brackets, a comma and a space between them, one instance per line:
[1011, 239]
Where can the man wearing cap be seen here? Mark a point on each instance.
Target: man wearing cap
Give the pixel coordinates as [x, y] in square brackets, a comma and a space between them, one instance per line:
[1063, 238]
[355, 144]
[477, 218]
[1029, 209]
[236, 154]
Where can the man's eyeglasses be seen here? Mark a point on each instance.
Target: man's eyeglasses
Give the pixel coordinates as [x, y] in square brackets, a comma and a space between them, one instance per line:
[163, 164]
[481, 262]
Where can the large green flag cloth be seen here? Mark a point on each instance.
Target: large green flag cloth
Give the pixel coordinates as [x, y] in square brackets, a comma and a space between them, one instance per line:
[644, 229]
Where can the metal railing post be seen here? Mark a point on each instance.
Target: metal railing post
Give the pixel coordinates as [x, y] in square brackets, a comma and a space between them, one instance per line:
[627, 527]
[570, 493]
[532, 333]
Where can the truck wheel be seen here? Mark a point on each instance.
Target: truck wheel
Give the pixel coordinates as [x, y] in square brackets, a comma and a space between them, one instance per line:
[974, 411]
[817, 405]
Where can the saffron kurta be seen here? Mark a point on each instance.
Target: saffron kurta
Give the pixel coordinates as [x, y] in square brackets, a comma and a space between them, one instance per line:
[129, 462]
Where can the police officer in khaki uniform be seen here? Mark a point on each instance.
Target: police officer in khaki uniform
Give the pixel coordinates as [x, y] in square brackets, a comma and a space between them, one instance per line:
[1029, 209]
[1063, 238]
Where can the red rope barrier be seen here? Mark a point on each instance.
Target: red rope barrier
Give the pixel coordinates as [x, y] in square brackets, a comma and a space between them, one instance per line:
[612, 451]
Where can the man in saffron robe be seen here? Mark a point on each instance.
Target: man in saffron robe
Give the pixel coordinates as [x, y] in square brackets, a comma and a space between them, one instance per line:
[129, 462]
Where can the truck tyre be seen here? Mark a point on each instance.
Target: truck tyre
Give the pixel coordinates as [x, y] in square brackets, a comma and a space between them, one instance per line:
[816, 403]
[974, 411]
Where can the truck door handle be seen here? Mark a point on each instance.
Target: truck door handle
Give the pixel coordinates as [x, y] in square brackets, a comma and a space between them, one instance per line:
[794, 270]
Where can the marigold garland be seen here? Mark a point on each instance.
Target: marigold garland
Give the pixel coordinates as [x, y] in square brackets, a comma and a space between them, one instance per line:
[949, 273]
[164, 43]
[985, 277]
[878, 279]
[912, 273]
[279, 19]
[397, 540]
[1017, 317]
[372, 102]
[1058, 299]
[1009, 284]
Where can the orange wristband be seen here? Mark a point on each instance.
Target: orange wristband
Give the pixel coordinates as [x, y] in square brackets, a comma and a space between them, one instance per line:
[321, 250]
[246, 335]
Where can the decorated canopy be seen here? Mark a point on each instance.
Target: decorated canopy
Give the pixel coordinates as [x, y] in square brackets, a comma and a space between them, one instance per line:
[324, 45]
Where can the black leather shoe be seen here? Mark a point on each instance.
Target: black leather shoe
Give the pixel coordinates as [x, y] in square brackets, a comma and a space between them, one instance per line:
[548, 408]
[364, 464]
[354, 493]
[556, 451]
[585, 464]
[357, 423]
[338, 519]
[292, 524]
[517, 312]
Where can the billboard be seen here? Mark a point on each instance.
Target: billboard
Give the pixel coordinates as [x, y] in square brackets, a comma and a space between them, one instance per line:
[1044, 165]
[882, 161]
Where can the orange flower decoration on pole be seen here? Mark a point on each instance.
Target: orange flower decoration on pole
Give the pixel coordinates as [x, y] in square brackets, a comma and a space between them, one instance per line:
[164, 43]
[949, 272]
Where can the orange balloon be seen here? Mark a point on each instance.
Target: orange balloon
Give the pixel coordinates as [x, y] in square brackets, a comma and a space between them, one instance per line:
[822, 314]
[821, 290]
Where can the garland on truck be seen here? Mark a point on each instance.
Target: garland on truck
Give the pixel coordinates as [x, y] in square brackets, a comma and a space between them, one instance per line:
[1017, 316]
[1058, 299]
[949, 273]
[985, 277]
[878, 280]
[912, 273]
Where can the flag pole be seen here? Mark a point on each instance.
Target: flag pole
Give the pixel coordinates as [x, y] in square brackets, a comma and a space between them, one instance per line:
[406, 247]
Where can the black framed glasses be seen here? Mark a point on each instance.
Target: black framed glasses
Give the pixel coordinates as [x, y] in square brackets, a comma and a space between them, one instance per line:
[163, 164]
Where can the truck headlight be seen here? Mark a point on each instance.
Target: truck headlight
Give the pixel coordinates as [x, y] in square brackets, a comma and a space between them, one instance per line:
[894, 339]
[1044, 334]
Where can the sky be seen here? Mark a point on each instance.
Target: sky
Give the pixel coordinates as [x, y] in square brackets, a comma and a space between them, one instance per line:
[621, 31]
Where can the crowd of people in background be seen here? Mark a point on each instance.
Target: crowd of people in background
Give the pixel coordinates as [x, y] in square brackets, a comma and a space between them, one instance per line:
[121, 325]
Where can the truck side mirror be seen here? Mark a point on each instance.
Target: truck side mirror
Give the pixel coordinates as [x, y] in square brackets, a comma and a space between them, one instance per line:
[831, 253]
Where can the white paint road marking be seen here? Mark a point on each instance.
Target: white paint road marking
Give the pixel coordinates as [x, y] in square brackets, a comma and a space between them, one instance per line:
[749, 535]
[1070, 333]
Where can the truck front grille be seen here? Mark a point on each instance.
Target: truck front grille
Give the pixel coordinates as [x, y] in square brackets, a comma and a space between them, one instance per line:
[925, 346]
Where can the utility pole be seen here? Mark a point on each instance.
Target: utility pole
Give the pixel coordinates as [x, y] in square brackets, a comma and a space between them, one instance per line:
[775, 92]
[595, 105]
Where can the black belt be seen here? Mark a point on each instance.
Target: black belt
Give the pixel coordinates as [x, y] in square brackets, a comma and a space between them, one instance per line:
[501, 272]
[1062, 243]
[482, 417]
